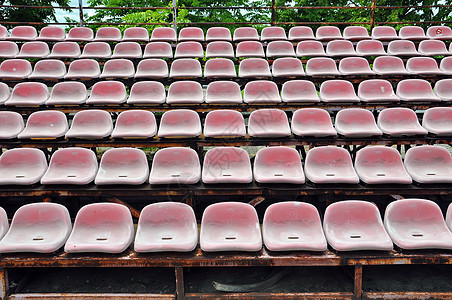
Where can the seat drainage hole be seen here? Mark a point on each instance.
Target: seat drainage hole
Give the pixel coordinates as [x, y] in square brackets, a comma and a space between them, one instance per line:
[329, 174]
[227, 175]
[431, 174]
[417, 234]
[123, 176]
[175, 175]
[38, 238]
[278, 174]
[72, 176]
[167, 238]
[355, 236]
[381, 174]
[230, 238]
[293, 237]
[101, 239]
[20, 176]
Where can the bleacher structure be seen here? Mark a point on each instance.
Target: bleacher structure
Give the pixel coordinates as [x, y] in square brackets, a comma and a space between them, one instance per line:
[319, 102]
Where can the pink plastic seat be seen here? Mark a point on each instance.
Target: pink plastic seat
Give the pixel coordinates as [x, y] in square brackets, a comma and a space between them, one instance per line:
[175, 165]
[118, 68]
[158, 50]
[65, 50]
[446, 65]
[223, 92]
[416, 90]
[412, 33]
[185, 92]
[439, 32]
[45, 124]
[152, 68]
[37, 227]
[219, 49]
[147, 92]
[3, 32]
[68, 93]
[34, 50]
[254, 67]
[8, 49]
[80, 34]
[399, 121]
[220, 67]
[186, 67]
[356, 33]
[90, 124]
[287, 67]
[108, 92]
[101, 227]
[71, 166]
[230, 226]
[355, 225]
[261, 91]
[191, 34]
[376, 90]
[370, 48]
[108, 34]
[15, 69]
[300, 33]
[299, 91]
[135, 123]
[23, 33]
[384, 33]
[218, 34]
[337, 91]
[356, 122]
[278, 165]
[268, 123]
[127, 50]
[429, 164]
[293, 226]
[328, 33]
[423, 66]
[310, 49]
[136, 34]
[438, 121]
[340, 48]
[183, 123]
[165, 34]
[5, 92]
[389, 65]
[226, 165]
[433, 47]
[11, 124]
[402, 48]
[330, 164]
[443, 89]
[123, 166]
[245, 34]
[28, 94]
[273, 33]
[96, 50]
[22, 166]
[249, 49]
[280, 49]
[189, 49]
[224, 123]
[355, 66]
[312, 122]
[48, 69]
[166, 226]
[83, 68]
[417, 224]
[321, 66]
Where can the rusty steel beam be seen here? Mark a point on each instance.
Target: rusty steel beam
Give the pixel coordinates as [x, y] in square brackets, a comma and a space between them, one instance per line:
[88, 296]
[358, 282]
[244, 296]
[406, 295]
[135, 212]
[180, 290]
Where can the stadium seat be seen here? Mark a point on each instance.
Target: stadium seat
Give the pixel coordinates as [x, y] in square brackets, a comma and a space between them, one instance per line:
[183, 123]
[219, 49]
[337, 91]
[127, 50]
[443, 89]
[389, 65]
[185, 92]
[152, 68]
[175, 165]
[293, 226]
[223, 92]
[230, 226]
[220, 67]
[249, 49]
[191, 34]
[299, 91]
[158, 50]
[268, 123]
[376, 90]
[186, 67]
[310, 49]
[439, 32]
[3, 32]
[402, 48]
[224, 123]
[108, 34]
[287, 67]
[48, 69]
[118, 68]
[245, 34]
[429, 164]
[108, 92]
[165, 34]
[68, 93]
[355, 66]
[278, 165]
[83, 68]
[381, 165]
[321, 66]
[101, 227]
[90, 124]
[370, 48]
[273, 33]
[354, 225]
[252, 67]
[218, 34]
[399, 121]
[340, 48]
[11, 124]
[34, 50]
[226, 165]
[22, 166]
[356, 123]
[22, 33]
[5, 92]
[433, 47]
[438, 120]
[312, 122]
[384, 33]
[189, 50]
[8, 49]
[446, 65]
[135, 123]
[356, 33]
[147, 92]
[166, 226]
[423, 65]
[301, 33]
[280, 49]
[123, 166]
[65, 50]
[45, 124]
[413, 33]
[136, 34]
[416, 90]
[96, 50]
[37, 227]
[328, 33]
[28, 94]
[261, 91]
[80, 34]
[416, 224]
[52, 34]
[15, 69]
[330, 164]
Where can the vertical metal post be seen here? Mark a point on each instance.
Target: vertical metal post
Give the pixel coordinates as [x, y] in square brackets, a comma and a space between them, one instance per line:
[358, 282]
[80, 8]
[4, 283]
[273, 12]
[180, 293]
[175, 14]
[372, 14]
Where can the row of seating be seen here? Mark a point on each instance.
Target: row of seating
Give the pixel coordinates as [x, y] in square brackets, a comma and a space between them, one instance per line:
[297, 33]
[349, 225]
